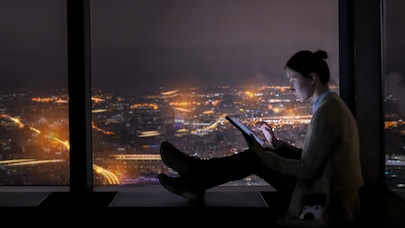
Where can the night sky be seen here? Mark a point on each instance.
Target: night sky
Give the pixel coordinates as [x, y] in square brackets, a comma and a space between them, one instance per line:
[168, 43]
[207, 41]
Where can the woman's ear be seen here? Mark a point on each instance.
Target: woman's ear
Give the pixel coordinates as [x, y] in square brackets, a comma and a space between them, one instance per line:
[313, 77]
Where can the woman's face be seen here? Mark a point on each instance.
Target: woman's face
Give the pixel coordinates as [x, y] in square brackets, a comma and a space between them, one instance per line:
[300, 86]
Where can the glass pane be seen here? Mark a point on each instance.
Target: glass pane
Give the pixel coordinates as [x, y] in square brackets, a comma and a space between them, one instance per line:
[34, 123]
[171, 70]
[394, 92]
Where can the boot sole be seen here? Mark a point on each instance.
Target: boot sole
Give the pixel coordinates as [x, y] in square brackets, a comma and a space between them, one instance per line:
[167, 183]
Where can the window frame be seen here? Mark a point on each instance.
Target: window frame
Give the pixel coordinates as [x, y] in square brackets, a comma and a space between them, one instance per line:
[359, 57]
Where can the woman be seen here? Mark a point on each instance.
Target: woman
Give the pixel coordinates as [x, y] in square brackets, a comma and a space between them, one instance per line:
[319, 182]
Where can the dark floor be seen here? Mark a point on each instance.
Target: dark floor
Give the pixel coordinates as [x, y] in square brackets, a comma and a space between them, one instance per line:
[155, 196]
[381, 209]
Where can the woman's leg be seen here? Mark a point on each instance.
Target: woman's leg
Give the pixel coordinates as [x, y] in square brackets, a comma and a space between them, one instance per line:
[207, 173]
[217, 171]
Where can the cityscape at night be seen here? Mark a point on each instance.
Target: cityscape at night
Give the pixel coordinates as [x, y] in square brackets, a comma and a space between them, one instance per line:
[128, 130]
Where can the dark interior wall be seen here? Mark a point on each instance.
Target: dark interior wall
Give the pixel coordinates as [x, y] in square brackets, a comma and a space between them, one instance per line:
[368, 87]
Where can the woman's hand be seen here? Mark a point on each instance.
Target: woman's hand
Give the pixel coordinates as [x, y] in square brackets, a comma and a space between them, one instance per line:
[267, 132]
[253, 144]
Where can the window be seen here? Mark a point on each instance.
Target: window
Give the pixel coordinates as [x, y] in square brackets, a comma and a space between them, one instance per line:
[161, 70]
[171, 70]
[394, 93]
[34, 120]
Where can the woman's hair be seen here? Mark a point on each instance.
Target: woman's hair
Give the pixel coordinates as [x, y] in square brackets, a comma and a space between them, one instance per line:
[306, 62]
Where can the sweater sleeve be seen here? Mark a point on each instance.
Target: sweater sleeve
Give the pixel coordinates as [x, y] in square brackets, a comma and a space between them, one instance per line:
[286, 150]
[321, 136]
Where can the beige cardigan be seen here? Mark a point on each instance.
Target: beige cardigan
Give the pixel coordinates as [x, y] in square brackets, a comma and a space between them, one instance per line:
[329, 170]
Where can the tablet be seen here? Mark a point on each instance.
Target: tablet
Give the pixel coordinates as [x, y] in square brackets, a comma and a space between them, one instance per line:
[243, 128]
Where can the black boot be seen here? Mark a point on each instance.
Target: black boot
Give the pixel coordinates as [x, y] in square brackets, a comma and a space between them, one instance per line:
[176, 159]
[183, 186]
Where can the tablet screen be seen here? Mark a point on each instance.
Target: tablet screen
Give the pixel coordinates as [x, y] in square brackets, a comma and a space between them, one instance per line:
[243, 128]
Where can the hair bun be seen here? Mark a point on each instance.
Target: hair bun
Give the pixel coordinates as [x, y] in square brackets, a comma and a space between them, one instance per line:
[321, 54]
